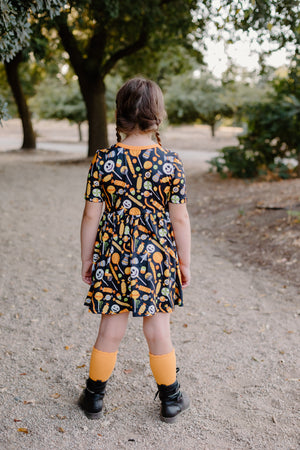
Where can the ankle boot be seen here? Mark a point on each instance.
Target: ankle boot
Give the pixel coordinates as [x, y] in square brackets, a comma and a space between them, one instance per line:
[91, 399]
[173, 402]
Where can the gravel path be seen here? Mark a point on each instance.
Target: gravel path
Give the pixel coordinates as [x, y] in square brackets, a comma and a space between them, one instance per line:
[236, 338]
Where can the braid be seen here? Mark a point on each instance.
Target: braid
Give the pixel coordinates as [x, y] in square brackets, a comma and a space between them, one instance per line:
[157, 132]
[158, 137]
[119, 138]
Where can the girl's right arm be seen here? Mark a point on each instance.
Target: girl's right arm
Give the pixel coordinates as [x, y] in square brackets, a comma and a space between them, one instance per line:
[89, 226]
[182, 230]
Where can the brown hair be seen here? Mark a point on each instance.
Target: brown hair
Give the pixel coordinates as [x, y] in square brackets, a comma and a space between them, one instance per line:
[140, 103]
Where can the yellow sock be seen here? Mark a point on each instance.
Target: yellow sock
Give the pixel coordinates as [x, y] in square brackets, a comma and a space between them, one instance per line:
[164, 368]
[102, 364]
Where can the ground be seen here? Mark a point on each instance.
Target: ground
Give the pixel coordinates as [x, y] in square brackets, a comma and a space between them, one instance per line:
[236, 338]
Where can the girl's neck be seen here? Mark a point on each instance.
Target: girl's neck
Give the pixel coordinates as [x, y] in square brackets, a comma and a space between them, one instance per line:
[138, 139]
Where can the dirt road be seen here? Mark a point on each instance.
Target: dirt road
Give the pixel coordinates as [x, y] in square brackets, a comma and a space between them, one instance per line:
[236, 338]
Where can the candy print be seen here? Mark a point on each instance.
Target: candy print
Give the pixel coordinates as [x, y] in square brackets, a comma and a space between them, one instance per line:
[168, 168]
[135, 259]
[109, 166]
[99, 274]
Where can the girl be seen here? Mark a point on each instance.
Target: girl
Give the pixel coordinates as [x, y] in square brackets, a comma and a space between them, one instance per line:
[137, 258]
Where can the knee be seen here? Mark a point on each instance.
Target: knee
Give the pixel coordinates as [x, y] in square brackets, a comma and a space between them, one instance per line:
[112, 335]
[155, 334]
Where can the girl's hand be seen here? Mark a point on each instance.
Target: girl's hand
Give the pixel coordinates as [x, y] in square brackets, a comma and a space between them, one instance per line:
[185, 275]
[86, 271]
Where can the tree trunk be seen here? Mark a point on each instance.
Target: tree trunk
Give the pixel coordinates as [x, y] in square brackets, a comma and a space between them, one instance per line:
[11, 68]
[298, 167]
[93, 92]
[79, 131]
[212, 127]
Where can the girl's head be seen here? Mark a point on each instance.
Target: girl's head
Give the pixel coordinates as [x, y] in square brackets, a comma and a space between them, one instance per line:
[140, 107]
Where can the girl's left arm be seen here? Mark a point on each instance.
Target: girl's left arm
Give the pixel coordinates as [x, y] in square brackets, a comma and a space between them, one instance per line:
[89, 226]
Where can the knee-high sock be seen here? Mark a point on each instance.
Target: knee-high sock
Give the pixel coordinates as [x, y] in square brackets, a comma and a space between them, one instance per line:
[102, 364]
[164, 368]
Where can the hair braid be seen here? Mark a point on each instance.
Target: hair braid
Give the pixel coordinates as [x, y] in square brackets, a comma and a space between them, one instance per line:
[157, 137]
[119, 138]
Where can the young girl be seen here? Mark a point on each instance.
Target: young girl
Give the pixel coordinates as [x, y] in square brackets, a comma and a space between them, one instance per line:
[135, 245]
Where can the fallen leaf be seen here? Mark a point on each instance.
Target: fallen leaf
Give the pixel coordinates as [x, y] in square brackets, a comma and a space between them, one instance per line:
[185, 325]
[274, 419]
[56, 395]
[17, 420]
[23, 430]
[67, 347]
[60, 417]
[80, 367]
[227, 331]
[98, 434]
[23, 373]
[61, 430]
[28, 402]
[254, 359]
[45, 290]
[127, 371]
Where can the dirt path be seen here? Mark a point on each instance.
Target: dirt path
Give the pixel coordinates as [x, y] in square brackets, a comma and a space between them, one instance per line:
[236, 338]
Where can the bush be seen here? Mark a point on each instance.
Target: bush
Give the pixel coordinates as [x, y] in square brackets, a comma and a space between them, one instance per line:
[235, 161]
[273, 133]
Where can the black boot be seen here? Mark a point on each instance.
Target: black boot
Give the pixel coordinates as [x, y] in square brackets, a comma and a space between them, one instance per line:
[91, 399]
[173, 401]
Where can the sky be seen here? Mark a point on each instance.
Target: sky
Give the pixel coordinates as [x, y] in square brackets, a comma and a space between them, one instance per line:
[217, 59]
[244, 52]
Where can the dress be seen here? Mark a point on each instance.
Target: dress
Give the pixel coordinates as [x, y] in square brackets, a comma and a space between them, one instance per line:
[135, 264]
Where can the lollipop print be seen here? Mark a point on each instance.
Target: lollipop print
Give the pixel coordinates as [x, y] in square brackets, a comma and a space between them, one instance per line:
[124, 171]
[135, 274]
[158, 258]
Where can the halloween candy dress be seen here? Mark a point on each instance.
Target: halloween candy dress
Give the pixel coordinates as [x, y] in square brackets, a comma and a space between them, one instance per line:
[135, 263]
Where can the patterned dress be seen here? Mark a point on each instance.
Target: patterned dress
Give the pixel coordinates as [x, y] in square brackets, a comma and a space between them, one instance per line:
[135, 265]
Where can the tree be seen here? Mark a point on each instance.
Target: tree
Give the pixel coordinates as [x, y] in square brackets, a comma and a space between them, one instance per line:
[15, 34]
[57, 99]
[189, 99]
[12, 73]
[273, 132]
[98, 34]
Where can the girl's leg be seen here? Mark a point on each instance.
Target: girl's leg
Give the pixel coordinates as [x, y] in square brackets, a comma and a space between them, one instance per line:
[161, 351]
[163, 366]
[104, 355]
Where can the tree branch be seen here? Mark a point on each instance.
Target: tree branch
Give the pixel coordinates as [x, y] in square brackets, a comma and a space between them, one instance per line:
[70, 44]
[97, 44]
[126, 51]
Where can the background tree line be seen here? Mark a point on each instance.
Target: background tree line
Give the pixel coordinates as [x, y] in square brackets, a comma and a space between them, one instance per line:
[70, 58]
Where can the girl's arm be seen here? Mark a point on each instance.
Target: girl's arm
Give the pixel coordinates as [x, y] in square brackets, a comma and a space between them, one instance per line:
[182, 230]
[89, 226]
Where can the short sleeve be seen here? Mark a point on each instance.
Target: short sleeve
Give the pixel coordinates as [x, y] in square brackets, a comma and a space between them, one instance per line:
[92, 191]
[178, 186]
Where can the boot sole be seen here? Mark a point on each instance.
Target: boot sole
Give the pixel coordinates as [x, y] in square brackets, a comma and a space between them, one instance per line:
[93, 416]
[90, 415]
[173, 419]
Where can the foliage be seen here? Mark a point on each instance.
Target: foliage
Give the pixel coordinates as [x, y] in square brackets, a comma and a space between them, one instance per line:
[15, 25]
[3, 110]
[56, 99]
[273, 132]
[277, 21]
[189, 99]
